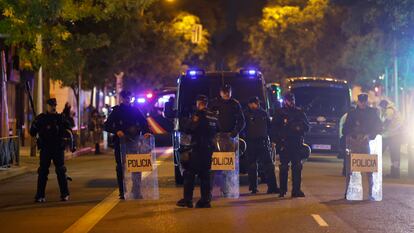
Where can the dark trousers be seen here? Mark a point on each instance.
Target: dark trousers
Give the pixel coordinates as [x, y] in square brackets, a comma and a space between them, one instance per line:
[189, 180]
[258, 151]
[58, 158]
[394, 145]
[290, 156]
[119, 170]
[199, 164]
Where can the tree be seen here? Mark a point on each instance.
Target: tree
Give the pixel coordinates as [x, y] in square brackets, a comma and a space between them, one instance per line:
[377, 31]
[286, 39]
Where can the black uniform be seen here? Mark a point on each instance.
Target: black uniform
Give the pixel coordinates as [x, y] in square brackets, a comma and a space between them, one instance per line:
[202, 128]
[230, 116]
[362, 122]
[230, 121]
[131, 122]
[51, 129]
[258, 148]
[288, 128]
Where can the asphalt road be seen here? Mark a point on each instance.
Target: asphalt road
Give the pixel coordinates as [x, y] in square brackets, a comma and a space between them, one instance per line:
[94, 206]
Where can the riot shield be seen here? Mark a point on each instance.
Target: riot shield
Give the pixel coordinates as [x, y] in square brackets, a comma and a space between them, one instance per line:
[225, 167]
[139, 166]
[354, 187]
[375, 189]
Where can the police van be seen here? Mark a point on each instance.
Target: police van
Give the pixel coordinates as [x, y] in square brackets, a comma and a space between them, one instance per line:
[325, 101]
[245, 84]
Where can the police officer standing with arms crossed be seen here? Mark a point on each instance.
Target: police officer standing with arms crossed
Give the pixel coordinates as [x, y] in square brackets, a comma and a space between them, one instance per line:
[288, 128]
[258, 146]
[361, 125]
[230, 117]
[124, 121]
[51, 127]
[202, 127]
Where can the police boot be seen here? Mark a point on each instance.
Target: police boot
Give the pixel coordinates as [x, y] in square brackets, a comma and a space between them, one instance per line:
[41, 183]
[97, 149]
[271, 179]
[203, 204]
[253, 178]
[185, 203]
[395, 171]
[283, 176]
[120, 181]
[297, 180]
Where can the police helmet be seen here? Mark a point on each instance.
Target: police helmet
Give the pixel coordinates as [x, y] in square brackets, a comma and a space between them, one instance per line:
[52, 102]
[363, 98]
[202, 98]
[225, 88]
[289, 96]
[254, 100]
[125, 94]
[305, 151]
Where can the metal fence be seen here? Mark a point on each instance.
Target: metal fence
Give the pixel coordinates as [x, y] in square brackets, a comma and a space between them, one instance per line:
[9, 151]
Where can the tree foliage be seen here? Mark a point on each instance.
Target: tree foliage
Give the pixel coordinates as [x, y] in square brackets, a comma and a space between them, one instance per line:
[285, 40]
[96, 39]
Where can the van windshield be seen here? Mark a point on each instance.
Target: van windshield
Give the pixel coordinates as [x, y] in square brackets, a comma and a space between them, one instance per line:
[326, 101]
[243, 88]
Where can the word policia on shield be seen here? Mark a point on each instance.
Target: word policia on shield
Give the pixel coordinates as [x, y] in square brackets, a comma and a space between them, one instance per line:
[369, 164]
[364, 163]
[223, 161]
[139, 163]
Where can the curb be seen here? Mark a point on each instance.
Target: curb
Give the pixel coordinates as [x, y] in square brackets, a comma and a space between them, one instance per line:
[17, 171]
[8, 174]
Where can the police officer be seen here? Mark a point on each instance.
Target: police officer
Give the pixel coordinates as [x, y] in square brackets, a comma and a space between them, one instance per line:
[202, 128]
[258, 146]
[362, 124]
[288, 128]
[230, 120]
[51, 128]
[124, 121]
[392, 128]
[230, 114]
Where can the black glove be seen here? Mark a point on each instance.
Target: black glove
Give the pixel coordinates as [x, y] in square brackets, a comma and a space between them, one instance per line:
[234, 134]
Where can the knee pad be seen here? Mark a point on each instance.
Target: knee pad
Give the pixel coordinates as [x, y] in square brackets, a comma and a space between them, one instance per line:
[297, 166]
[43, 171]
[60, 170]
[269, 167]
[284, 167]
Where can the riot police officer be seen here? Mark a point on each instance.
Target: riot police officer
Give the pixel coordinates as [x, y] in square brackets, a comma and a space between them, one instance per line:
[230, 121]
[288, 128]
[392, 128]
[361, 125]
[51, 128]
[202, 127]
[230, 115]
[124, 121]
[258, 146]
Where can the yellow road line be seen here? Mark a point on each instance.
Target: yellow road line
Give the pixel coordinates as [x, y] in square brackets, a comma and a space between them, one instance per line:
[319, 220]
[85, 223]
[93, 216]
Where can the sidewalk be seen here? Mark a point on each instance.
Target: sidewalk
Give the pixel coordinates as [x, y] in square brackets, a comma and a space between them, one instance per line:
[30, 164]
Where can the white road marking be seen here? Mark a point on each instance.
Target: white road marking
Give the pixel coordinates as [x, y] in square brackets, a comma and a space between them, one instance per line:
[318, 219]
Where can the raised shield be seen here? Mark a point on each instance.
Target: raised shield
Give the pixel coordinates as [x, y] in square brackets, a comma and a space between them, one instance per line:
[140, 169]
[225, 167]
